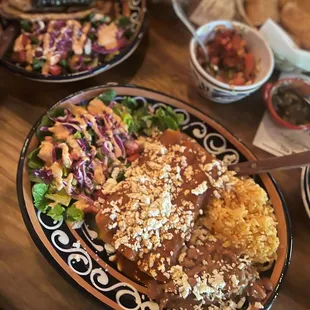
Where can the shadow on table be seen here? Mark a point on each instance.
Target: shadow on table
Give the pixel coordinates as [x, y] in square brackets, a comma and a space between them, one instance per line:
[5, 304]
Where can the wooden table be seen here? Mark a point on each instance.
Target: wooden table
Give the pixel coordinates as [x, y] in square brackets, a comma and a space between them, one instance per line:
[27, 281]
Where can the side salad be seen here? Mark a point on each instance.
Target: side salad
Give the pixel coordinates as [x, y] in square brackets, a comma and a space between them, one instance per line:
[58, 47]
[87, 147]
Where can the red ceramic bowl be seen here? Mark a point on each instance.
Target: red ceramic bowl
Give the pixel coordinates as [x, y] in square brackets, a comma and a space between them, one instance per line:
[301, 86]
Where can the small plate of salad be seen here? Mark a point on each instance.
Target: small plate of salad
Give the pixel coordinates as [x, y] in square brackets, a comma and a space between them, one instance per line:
[68, 49]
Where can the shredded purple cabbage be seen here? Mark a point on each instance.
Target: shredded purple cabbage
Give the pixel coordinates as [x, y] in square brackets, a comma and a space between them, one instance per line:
[121, 145]
[79, 64]
[112, 104]
[71, 127]
[44, 128]
[120, 33]
[64, 45]
[38, 53]
[82, 143]
[64, 118]
[89, 185]
[58, 24]
[101, 50]
[105, 150]
[88, 122]
[122, 42]
[45, 175]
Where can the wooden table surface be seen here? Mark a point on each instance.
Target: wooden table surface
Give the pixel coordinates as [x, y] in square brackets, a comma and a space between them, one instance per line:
[27, 281]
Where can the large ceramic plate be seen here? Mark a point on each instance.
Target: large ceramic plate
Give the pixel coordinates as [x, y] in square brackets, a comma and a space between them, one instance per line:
[93, 272]
[138, 18]
[305, 188]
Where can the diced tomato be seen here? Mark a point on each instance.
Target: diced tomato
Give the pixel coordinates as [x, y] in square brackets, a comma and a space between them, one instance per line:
[224, 41]
[64, 55]
[25, 40]
[22, 56]
[48, 138]
[132, 147]
[230, 61]
[249, 65]
[228, 51]
[74, 156]
[241, 52]
[236, 41]
[133, 157]
[215, 60]
[55, 70]
[238, 80]
[229, 46]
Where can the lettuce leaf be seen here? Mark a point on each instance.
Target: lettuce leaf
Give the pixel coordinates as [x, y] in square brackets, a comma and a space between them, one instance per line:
[56, 212]
[47, 122]
[107, 96]
[140, 119]
[38, 192]
[77, 135]
[60, 197]
[74, 214]
[33, 161]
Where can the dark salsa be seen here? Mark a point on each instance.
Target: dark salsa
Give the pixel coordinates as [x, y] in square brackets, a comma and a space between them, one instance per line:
[291, 106]
[58, 47]
[229, 58]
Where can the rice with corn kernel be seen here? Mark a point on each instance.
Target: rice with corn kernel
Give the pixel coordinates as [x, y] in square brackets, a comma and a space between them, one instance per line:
[244, 218]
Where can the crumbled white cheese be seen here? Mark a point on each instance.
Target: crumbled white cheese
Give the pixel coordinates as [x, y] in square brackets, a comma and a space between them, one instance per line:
[258, 305]
[115, 173]
[108, 186]
[200, 189]
[109, 249]
[234, 280]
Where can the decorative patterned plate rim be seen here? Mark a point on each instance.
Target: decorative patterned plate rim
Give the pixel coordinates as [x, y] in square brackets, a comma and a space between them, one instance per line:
[228, 135]
[78, 76]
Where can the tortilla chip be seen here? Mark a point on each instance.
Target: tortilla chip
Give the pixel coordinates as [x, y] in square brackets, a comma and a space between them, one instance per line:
[258, 11]
[295, 20]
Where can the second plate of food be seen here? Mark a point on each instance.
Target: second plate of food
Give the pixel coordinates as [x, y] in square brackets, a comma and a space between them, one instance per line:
[125, 190]
[66, 47]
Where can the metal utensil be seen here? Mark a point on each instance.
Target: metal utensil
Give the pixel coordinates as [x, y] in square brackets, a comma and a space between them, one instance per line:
[180, 13]
[272, 163]
[307, 99]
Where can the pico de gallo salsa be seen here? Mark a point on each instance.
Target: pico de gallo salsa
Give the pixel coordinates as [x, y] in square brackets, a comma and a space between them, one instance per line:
[230, 60]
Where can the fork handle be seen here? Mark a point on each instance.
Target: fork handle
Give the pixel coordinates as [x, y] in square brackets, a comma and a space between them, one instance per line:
[272, 163]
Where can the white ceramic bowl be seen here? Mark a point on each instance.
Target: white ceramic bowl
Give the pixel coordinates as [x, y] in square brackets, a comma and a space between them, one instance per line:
[257, 45]
[213, 92]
